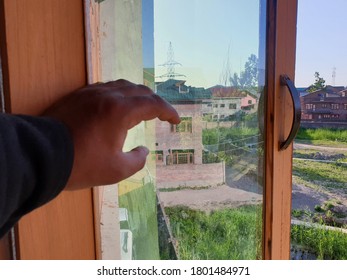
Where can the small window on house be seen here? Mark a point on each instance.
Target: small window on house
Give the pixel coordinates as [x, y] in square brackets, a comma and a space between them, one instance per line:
[222, 105]
[249, 102]
[180, 157]
[215, 105]
[345, 106]
[335, 106]
[309, 106]
[184, 126]
[157, 156]
[232, 106]
[324, 105]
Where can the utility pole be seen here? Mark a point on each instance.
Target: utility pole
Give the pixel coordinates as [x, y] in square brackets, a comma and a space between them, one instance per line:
[333, 76]
[170, 65]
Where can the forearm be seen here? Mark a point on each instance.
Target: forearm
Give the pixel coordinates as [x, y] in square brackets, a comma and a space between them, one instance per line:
[36, 156]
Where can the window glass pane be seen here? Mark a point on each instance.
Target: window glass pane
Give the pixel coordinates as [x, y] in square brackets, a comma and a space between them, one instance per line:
[319, 200]
[200, 194]
[210, 186]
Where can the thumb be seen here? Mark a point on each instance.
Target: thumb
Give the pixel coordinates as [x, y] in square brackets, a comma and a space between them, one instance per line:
[133, 161]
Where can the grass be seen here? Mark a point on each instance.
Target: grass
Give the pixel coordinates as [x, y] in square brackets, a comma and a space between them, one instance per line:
[326, 244]
[317, 174]
[323, 136]
[236, 234]
[339, 135]
[223, 234]
[300, 213]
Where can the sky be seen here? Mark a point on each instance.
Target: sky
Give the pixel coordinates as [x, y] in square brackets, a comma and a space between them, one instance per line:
[210, 37]
[321, 41]
[207, 36]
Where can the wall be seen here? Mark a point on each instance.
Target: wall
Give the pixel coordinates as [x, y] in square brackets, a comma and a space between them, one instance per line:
[225, 111]
[190, 175]
[210, 125]
[244, 101]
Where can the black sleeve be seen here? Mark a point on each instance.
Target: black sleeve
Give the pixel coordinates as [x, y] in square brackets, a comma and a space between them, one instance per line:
[36, 157]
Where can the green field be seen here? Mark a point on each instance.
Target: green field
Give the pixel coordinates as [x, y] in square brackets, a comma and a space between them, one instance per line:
[323, 136]
[320, 174]
[233, 234]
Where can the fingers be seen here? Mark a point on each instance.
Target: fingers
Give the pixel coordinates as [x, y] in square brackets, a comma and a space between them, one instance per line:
[118, 83]
[144, 108]
[126, 88]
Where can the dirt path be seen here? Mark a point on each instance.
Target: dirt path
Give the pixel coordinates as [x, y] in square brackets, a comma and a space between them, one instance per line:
[321, 148]
[243, 193]
[210, 199]
[305, 198]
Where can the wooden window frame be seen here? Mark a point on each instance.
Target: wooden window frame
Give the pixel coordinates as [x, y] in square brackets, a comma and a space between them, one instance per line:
[43, 58]
[280, 54]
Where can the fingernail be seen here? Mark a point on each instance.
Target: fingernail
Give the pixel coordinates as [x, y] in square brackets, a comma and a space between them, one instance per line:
[146, 150]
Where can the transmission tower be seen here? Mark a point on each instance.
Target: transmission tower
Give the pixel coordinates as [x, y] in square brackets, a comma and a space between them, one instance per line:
[170, 65]
[333, 76]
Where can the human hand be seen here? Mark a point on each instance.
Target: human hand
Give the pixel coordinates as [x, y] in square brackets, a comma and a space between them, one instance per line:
[99, 117]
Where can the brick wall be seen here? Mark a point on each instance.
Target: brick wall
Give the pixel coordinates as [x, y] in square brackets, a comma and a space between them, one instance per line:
[192, 175]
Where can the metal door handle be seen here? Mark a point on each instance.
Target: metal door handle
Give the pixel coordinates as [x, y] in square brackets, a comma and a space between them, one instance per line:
[285, 81]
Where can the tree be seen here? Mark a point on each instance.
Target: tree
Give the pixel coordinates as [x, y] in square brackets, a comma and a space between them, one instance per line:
[235, 80]
[251, 71]
[249, 77]
[318, 84]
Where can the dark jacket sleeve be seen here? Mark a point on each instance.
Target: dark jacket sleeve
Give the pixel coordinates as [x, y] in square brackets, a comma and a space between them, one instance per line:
[36, 157]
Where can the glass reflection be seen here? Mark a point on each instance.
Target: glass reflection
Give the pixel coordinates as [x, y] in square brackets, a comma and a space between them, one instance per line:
[200, 194]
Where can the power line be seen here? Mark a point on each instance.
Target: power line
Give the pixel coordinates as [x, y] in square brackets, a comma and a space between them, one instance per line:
[233, 141]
